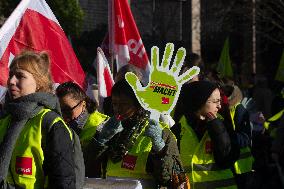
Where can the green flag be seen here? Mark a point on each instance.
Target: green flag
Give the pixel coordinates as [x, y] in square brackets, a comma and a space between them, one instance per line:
[224, 66]
[280, 72]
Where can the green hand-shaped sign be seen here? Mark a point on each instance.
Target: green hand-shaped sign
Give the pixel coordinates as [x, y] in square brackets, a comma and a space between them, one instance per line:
[162, 91]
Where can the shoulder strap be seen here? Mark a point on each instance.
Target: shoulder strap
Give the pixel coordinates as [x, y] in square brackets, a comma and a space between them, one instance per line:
[46, 125]
[48, 119]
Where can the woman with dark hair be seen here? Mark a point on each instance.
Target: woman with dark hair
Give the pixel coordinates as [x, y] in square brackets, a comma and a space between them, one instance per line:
[207, 147]
[79, 112]
[120, 75]
[136, 146]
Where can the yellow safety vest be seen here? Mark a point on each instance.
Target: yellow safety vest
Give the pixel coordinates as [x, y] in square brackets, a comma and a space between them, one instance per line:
[245, 161]
[273, 118]
[134, 162]
[27, 158]
[90, 127]
[199, 163]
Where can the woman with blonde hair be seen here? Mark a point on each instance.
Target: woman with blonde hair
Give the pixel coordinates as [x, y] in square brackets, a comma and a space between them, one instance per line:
[33, 155]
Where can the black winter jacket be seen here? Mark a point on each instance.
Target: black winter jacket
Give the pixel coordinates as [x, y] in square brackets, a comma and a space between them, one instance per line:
[242, 124]
[58, 163]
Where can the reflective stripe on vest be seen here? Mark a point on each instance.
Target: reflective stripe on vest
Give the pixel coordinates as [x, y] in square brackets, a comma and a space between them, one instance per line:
[134, 163]
[27, 159]
[272, 119]
[199, 163]
[90, 127]
[245, 161]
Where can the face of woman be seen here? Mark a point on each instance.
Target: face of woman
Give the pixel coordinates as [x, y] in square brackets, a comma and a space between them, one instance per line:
[20, 83]
[71, 108]
[213, 104]
[123, 106]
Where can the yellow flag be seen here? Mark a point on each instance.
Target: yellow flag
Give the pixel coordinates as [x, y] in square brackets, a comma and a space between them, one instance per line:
[280, 72]
[224, 66]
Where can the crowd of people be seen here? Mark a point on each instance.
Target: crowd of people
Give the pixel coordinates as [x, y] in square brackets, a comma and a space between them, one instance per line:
[218, 135]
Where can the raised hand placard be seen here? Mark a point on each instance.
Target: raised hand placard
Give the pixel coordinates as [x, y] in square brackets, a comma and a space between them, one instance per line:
[162, 92]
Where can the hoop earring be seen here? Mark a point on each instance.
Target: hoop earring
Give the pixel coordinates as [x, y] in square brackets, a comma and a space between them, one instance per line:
[84, 108]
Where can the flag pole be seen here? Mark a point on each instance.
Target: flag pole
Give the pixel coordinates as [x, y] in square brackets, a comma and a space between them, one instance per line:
[111, 30]
[125, 41]
[253, 38]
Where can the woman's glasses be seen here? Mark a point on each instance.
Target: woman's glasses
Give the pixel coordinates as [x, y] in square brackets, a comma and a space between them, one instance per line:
[215, 101]
[66, 110]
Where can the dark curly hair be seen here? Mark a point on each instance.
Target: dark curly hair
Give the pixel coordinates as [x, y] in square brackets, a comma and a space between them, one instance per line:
[73, 89]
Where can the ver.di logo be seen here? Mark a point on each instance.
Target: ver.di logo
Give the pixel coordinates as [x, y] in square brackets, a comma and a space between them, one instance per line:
[161, 93]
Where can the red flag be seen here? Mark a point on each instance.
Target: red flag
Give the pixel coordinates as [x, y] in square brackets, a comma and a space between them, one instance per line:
[33, 26]
[105, 80]
[125, 40]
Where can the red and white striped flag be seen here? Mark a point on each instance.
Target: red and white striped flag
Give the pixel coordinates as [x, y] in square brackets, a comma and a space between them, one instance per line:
[125, 41]
[33, 26]
[104, 76]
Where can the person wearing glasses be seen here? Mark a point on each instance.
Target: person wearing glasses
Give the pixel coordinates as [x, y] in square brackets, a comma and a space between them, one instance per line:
[30, 156]
[80, 113]
[207, 146]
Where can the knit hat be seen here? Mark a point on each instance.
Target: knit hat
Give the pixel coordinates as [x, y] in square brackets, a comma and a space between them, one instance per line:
[194, 95]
